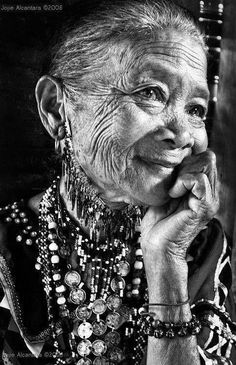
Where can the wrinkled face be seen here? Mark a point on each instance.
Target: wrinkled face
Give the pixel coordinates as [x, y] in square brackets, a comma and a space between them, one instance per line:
[142, 118]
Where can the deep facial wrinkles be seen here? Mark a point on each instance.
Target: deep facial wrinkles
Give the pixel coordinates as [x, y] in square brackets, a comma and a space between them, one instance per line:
[124, 118]
[97, 139]
[169, 50]
[101, 135]
[102, 130]
[142, 104]
[175, 46]
[179, 55]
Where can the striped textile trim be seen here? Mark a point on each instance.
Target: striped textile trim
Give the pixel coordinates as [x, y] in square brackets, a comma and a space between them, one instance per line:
[217, 344]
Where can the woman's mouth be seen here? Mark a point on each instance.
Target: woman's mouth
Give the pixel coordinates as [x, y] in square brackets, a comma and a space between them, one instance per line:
[169, 164]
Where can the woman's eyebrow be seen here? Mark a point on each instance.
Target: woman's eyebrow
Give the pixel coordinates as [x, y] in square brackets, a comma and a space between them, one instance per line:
[202, 92]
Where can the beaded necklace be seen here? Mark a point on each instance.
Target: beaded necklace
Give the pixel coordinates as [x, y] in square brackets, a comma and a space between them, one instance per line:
[86, 282]
[65, 325]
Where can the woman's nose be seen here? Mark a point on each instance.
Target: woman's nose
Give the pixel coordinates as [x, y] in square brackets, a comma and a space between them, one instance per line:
[174, 137]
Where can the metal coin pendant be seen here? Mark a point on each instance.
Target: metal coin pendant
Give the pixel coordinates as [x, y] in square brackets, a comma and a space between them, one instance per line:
[84, 361]
[124, 268]
[117, 284]
[114, 302]
[83, 312]
[72, 278]
[101, 360]
[99, 306]
[99, 347]
[112, 338]
[99, 327]
[114, 320]
[77, 296]
[84, 348]
[85, 330]
[115, 354]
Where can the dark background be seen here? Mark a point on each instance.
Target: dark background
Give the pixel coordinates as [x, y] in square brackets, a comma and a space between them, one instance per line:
[25, 149]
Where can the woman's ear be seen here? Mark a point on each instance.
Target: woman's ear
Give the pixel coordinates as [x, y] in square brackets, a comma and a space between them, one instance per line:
[49, 98]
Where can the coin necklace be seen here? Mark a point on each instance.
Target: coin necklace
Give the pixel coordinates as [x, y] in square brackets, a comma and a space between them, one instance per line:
[86, 282]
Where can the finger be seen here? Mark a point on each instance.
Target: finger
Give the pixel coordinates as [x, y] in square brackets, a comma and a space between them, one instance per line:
[200, 198]
[199, 145]
[202, 163]
[197, 184]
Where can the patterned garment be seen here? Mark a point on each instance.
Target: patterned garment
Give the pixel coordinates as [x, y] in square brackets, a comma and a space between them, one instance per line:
[24, 334]
[217, 346]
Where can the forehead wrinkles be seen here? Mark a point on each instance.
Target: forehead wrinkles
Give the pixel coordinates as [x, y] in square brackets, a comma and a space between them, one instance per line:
[173, 52]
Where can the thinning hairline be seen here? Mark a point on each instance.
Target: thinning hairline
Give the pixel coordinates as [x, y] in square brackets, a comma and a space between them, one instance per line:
[118, 44]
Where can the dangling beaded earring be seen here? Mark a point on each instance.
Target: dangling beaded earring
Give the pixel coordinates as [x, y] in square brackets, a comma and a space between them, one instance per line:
[57, 146]
[77, 183]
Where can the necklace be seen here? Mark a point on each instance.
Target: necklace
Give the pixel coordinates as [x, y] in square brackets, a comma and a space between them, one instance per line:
[87, 279]
[101, 330]
[92, 322]
[87, 282]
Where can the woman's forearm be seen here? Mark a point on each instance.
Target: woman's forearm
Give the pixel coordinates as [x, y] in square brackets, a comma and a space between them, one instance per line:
[177, 351]
[169, 285]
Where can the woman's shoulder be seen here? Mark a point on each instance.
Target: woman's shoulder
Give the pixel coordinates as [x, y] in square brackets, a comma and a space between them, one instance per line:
[18, 277]
[18, 230]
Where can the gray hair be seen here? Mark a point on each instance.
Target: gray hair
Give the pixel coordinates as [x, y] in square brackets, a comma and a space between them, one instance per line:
[84, 45]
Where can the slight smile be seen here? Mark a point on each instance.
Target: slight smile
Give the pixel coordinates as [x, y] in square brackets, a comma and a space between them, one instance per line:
[164, 163]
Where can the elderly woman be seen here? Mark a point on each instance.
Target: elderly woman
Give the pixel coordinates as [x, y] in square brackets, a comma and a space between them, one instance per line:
[120, 260]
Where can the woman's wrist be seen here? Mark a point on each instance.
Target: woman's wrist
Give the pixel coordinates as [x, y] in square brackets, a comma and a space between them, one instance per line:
[169, 285]
[167, 276]
[171, 313]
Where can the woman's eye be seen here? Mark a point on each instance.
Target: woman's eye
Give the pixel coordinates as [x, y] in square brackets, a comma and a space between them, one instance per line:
[151, 93]
[197, 111]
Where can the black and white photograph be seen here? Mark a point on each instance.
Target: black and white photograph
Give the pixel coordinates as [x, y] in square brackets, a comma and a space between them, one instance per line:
[118, 182]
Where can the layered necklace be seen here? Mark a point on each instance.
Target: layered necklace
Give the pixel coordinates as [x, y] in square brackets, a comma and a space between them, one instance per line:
[94, 283]
[93, 286]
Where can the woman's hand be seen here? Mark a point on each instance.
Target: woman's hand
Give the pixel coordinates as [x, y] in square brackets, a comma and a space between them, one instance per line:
[167, 232]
